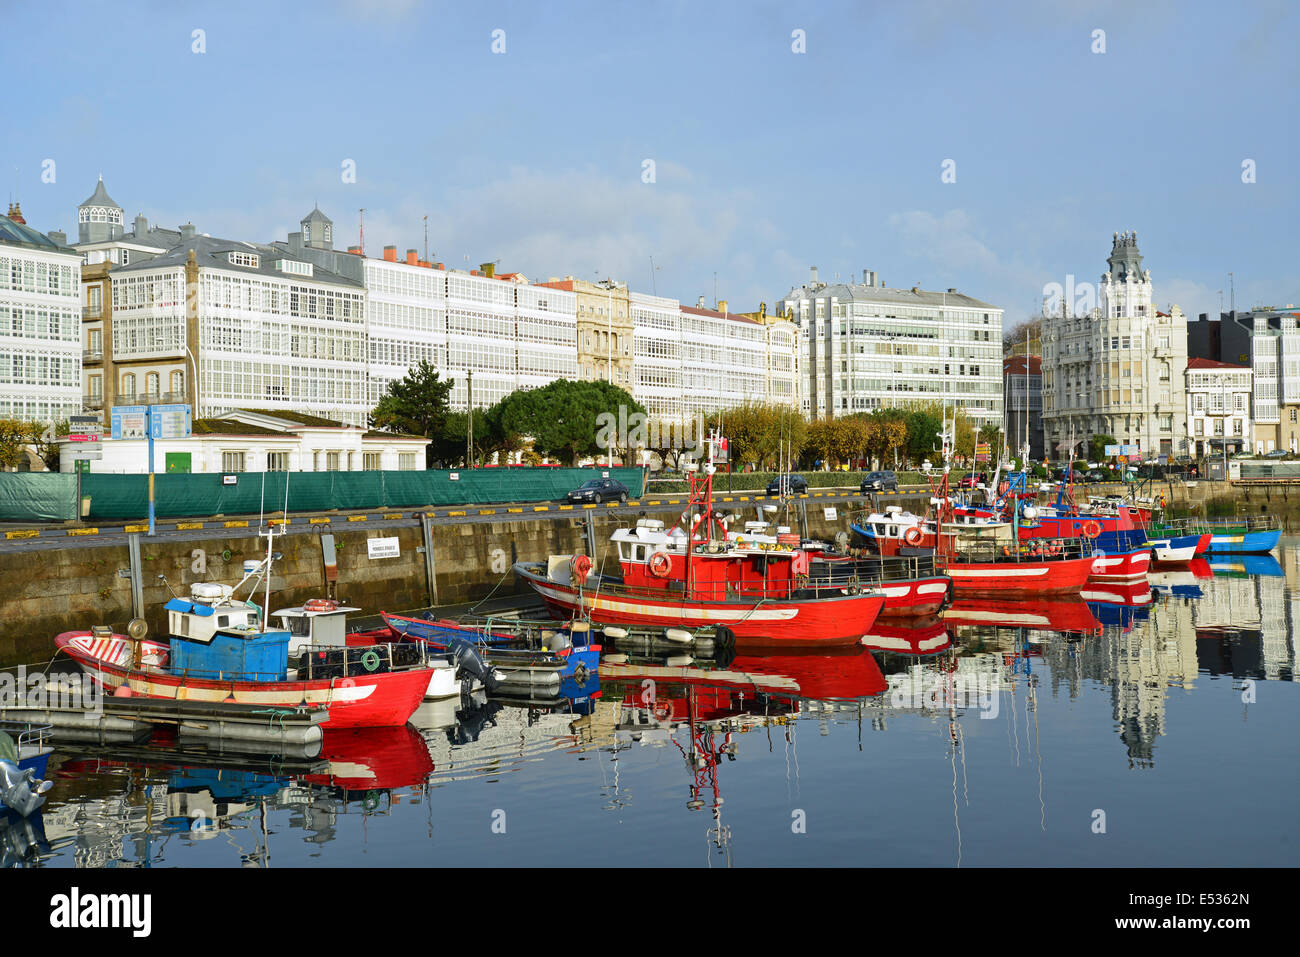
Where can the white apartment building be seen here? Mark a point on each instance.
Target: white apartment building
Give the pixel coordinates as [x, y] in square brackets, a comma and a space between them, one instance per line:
[1275, 362]
[1118, 371]
[865, 347]
[689, 360]
[40, 324]
[1218, 407]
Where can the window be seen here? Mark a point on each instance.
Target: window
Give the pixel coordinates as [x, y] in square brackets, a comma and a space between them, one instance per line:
[178, 381]
[331, 461]
[1200, 426]
[97, 386]
[371, 461]
[152, 384]
[277, 461]
[232, 461]
[406, 461]
[128, 384]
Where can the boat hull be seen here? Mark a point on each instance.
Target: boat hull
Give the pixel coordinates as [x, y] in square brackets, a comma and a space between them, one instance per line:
[1054, 577]
[1243, 542]
[1126, 566]
[915, 598]
[840, 620]
[386, 699]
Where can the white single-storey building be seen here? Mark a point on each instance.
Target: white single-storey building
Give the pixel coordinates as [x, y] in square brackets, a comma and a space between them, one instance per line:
[249, 440]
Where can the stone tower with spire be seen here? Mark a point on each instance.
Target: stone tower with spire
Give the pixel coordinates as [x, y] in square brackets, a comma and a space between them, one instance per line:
[99, 219]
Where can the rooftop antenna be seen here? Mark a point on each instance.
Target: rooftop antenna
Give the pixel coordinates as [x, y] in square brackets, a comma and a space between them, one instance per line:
[1232, 290]
[715, 290]
[426, 238]
[362, 239]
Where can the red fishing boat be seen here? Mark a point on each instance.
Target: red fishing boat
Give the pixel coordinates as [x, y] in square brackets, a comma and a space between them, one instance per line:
[220, 651]
[697, 576]
[1051, 614]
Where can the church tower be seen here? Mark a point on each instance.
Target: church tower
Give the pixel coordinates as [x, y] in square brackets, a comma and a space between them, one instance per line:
[99, 219]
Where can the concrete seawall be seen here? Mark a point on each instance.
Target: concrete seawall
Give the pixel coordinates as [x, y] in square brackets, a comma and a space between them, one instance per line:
[49, 592]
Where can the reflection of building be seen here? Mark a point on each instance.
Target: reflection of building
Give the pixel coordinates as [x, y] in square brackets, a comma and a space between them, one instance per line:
[1246, 625]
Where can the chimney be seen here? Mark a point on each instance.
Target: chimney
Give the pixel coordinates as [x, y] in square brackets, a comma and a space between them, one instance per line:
[722, 306]
[390, 254]
[699, 303]
[489, 269]
[58, 236]
[866, 277]
[442, 266]
[187, 231]
[813, 276]
[412, 257]
[951, 289]
[355, 250]
[141, 225]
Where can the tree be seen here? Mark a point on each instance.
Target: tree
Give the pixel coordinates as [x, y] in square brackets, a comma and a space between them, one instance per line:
[417, 404]
[572, 420]
[1013, 339]
[1097, 447]
[49, 451]
[14, 438]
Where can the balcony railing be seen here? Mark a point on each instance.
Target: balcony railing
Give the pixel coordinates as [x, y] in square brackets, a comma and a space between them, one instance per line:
[92, 355]
[92, 312]
[92, 401]
[150, 398]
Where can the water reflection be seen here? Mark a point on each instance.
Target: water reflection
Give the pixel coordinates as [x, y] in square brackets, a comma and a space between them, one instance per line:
[675, 750]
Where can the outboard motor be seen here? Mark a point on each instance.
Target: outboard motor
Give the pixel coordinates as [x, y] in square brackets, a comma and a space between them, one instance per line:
[467, 660]
[21, 791]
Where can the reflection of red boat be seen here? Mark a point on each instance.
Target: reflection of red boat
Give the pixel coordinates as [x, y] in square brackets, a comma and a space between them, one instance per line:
[1124, 566]
[1200, 568]
[823, 674]
[1045, 614]
[1118, 593]
[373, 759]
[922, 636]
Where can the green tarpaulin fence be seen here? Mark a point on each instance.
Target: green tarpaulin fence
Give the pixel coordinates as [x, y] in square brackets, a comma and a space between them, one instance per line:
[37, 497]
[46, 496]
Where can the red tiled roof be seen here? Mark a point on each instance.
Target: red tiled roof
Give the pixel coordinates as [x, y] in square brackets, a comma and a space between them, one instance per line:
[1196, 362]
[734, 316]
[1014, 366]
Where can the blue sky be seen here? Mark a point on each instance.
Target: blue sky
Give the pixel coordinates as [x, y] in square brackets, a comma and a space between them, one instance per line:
[766, 161]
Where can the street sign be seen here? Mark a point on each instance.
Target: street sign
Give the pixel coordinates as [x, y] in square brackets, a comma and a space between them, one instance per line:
[80, 423]
[130, 422]
[83, 456]
[1113, 450]
[85, 436]
[170, 421]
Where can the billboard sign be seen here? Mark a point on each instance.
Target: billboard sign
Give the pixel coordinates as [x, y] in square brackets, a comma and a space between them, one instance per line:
[130, 422]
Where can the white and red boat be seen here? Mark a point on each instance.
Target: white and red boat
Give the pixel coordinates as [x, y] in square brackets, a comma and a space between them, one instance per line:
[220, 651]
[698, 576]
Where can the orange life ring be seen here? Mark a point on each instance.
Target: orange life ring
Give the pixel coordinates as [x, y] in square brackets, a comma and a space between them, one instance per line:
[914, 536]
[1092, 529]
[320, 604]
[660, 564]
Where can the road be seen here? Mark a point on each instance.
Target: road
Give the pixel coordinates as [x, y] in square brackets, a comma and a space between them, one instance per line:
[57, 537]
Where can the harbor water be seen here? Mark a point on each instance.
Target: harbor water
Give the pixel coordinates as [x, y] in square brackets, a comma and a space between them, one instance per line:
[1149, 725]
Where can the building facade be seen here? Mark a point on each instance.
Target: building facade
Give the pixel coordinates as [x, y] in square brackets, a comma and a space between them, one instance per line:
[40, 324]
[1268, 340]
[1218, 407]
[1118, 371]
[1022, 398]
[865, 347]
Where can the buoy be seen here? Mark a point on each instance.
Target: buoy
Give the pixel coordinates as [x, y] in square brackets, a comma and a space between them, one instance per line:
[660, 564]
[612, 631]
[122, 691]
[679, 635]
[678, 661]
[580, 626]
[615, 659]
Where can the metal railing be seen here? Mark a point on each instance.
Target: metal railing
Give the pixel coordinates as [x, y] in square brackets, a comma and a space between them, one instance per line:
[317, 662]
[1035, 550]
[92, 401]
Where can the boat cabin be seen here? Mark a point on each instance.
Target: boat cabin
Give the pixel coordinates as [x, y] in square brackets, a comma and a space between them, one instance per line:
[214, 636]
[320, 621]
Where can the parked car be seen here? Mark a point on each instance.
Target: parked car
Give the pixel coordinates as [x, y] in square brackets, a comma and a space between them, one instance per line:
[787, 485]
[970, 480]
[1276, 454]
[883, 481]
[599, 490]
[1098, 475]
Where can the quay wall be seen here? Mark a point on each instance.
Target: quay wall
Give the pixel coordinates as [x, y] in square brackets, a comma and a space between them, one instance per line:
[44, 593]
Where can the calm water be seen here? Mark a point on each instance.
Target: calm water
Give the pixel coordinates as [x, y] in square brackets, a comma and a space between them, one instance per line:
[1145, 727]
